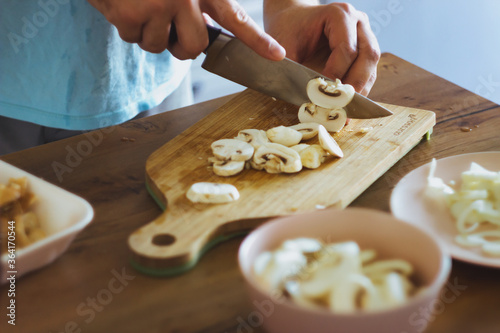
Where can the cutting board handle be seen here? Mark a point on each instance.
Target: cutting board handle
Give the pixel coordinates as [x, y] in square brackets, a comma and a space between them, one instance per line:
[168, 241]
[174, 242]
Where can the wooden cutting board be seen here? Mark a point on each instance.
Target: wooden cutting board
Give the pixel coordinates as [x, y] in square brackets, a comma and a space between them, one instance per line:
[175, 240]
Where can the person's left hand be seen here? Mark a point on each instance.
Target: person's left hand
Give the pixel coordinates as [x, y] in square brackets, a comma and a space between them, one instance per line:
[337, 28]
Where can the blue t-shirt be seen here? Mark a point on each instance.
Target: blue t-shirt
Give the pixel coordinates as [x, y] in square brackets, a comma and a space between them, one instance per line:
[63, 65]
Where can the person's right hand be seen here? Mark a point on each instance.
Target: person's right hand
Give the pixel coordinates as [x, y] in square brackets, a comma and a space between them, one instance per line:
[148, 22]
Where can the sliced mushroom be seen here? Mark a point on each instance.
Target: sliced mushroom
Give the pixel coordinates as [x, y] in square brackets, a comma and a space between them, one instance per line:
[232, 149]
[276, 158]
[254, 137]
[255, 166]
[307, 112]
[308, 130]
[336, 120]
[328, 143]
[228, 168]
[205, 192]
[284, 135]
[329, 94]
[332, 119]
[312, 156]
[298, 148]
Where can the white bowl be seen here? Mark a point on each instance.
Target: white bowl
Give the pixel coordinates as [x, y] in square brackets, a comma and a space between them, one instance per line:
[62, 216]
[371, 229]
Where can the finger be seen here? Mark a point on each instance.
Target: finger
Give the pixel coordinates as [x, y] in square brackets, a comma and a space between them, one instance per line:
[342, 38]
[363, 72]
[128, 23]
[231, 16]
[155, 35]
[192, 35]
[131, 33]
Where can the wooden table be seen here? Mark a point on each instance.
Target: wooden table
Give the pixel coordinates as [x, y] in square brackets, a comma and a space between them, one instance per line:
[93, 288]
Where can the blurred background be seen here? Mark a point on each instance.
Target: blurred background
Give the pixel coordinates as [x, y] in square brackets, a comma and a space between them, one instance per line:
[458, 40]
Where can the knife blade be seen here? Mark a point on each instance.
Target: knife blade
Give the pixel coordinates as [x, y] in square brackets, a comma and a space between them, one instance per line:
[286, 79]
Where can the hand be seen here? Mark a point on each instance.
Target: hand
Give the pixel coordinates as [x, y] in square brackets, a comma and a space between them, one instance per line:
[147, 23]
[306, 30]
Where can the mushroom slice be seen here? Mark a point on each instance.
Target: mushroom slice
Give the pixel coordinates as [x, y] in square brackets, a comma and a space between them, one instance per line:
[255, 166]
[336, 120]
[329, 94]
[254, 137]
[332, 119]
[312, 156]
[232, 149]
[273, 165]
[298, 148]
[307, 112]
[284, 135]
[205, 192]
[328, 143]
[276, 158]
[308, 130]
[228, 168]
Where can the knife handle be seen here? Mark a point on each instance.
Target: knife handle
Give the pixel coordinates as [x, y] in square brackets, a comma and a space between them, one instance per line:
[213, 33]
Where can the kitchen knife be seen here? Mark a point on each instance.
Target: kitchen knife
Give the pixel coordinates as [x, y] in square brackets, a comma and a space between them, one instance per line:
[287, 80]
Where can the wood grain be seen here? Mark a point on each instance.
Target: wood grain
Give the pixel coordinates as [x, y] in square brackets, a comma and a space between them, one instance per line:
[211, 298]
[173, 168]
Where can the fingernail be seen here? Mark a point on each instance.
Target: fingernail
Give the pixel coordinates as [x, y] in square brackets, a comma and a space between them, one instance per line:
[278, 52]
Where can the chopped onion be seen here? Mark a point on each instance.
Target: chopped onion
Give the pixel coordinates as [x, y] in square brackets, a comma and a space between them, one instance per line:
[473, 204]
[339, 276]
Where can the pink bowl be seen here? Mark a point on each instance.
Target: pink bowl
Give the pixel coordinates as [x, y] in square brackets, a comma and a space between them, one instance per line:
[390, 237]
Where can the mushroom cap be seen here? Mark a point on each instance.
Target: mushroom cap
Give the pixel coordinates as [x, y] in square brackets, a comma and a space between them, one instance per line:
[232, 149]
[329, 94]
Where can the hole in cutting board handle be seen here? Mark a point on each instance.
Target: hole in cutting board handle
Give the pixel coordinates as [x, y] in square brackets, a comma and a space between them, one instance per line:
[163, 240]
